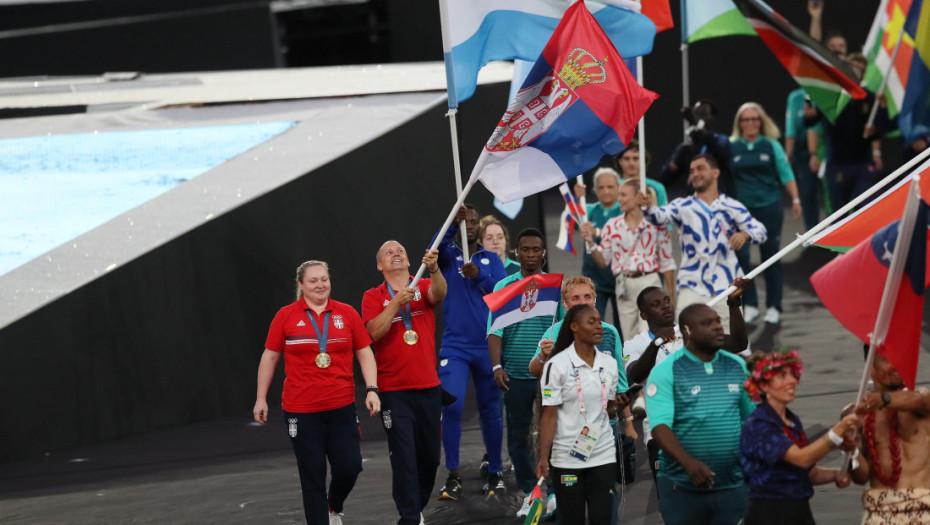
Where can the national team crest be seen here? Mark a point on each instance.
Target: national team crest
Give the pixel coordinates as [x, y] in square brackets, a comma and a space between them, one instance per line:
[536, 108]
[416, 295]
[337, 321]
[530, 296]
[292, 427]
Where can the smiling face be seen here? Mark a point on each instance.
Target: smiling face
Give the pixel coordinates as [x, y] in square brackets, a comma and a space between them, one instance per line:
[750, 123]
[587, 327]
[781, 387]
[494, 240]
[702, 176]
[315, 285]
[392, 257]
[627, 198]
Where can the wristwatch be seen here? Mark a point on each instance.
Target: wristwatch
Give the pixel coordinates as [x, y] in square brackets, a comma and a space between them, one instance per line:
[886, 399]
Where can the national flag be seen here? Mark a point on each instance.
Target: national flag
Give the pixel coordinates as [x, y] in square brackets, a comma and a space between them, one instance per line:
[476, 32]
[827, 79]
[537, 505]
[578, 104]
[529, 297]
[854, 229]
[660, 13]
[702, 19]
[914, 120]
[571, 215]
[887, 27]
[857, 307]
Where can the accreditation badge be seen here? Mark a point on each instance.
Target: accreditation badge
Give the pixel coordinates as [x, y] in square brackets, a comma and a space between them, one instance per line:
[584, 444]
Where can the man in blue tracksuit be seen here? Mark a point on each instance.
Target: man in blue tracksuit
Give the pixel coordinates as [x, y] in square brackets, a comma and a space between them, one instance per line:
[465, 349]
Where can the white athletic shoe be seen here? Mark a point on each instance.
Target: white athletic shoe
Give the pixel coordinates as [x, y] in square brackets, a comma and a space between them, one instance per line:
[335, 518]
[772, 315]
[525, 509]
[422, 521]
[750, 314]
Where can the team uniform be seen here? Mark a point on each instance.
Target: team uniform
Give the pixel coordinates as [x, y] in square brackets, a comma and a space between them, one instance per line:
[602, 278]
[708, 263]
[633, 350]
[518, 345]
[318, 402]
[411, 398]
[464, 349]
[705, 405]
[761, 168]
[583, 478]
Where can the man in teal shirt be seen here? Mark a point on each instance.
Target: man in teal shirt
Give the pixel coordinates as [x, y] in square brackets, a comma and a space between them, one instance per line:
[697, 403]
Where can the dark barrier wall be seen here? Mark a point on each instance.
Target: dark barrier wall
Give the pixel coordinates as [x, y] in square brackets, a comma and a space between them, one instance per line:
[175, 336]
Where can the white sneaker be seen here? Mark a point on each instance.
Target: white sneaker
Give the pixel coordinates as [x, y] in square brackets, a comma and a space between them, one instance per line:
[639, 407]
[750, 314]
[335, 518]
[550, 505]
[525, 508]
[422, 521]
[772, 315]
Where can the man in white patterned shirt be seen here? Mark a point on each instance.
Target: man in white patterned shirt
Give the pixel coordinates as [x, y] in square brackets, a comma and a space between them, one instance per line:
[711, 228]
[637, 251]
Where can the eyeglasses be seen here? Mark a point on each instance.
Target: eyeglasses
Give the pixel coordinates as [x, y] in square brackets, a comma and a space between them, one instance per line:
[750, 119]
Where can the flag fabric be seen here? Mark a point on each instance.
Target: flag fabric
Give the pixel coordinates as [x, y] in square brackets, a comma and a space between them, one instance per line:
[856, 307]
[914, 119]
[537, 505]
[828, 80]
[480, 31]
[572, 213]
[660, 13]
[529, 297]
[859, 226]
[710, 19]
[887, 27]
[578, 104]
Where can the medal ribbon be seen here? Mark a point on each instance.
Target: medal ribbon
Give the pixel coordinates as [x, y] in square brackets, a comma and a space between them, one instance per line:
[581, 407]
[321, 339]
[404, 310]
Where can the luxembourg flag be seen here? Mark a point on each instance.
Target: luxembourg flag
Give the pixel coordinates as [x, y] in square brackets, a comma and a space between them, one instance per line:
[578, 103]
[893, 327]
[476, 32]
[529, 297]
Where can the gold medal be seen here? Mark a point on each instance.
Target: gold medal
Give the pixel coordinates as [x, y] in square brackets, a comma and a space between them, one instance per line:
[323, 360]
[411, 337]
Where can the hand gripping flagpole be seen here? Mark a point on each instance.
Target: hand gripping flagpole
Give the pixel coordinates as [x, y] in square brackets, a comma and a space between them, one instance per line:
[890, 293]
[453, 110]
[838, 214]
[479, 165]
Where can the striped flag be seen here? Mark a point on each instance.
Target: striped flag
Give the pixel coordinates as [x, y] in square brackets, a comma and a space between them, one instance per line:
[710, 19]
[529, 297]
[828, 80]
[879, 48]
[572, 215]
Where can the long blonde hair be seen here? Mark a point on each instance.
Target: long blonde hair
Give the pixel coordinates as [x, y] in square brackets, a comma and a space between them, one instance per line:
[768, 128]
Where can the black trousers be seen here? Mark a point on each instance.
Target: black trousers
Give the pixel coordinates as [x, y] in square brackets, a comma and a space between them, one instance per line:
[778, 512]
[316, 437]
[411, 419]
[587, 489]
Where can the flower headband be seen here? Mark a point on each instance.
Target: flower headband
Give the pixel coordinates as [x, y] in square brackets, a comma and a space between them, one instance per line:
[767, 367]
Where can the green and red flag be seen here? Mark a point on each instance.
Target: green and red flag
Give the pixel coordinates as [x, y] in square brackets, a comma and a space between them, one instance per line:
[887, 28]
[537, 506]
[828, 80]
[702, 19]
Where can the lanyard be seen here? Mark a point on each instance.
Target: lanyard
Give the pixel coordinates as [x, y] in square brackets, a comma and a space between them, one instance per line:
[652, 336]
[603, 379]
[321, 339]
[404, 310]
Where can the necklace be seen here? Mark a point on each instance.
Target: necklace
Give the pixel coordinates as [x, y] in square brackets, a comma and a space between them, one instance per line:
[893, 448]
[800, 441]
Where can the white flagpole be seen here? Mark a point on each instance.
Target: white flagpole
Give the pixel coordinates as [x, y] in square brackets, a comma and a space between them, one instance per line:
[642, 132]
[838, 214]
[685, 76]
[583, 200]
[890, 293]
[453, 110]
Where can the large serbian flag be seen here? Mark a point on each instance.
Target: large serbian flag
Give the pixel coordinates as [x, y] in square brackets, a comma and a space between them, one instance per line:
[531, 296]
[857, 305]
[852, 230]
[578, 103]
[827, 79]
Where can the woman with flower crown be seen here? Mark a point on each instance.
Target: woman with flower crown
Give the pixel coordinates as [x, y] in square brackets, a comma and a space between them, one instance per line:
[777, 460]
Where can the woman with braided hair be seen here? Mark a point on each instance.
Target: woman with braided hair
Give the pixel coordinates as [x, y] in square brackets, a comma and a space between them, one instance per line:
[777, 460]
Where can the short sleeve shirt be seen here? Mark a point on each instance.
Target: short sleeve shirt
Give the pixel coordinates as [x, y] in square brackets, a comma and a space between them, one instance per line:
[559, 388]
[307, 387]
[704, 404]
[763, 444]
[636, 347]
[402, 366]
[610, 346]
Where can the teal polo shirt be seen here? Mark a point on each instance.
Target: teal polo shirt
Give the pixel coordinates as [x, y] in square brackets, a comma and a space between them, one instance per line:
[705, 405]
[610, 345]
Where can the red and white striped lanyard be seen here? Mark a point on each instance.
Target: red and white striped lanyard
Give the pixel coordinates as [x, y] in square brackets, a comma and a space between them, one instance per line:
[603, 379]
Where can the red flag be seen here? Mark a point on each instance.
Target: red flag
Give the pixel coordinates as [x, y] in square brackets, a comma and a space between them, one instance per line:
[659, 12]
[856, 305]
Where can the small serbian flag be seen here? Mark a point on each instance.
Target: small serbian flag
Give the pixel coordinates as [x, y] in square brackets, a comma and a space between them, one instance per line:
[529, 297]
[572, 213]
[578, 103]
[857, 307]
